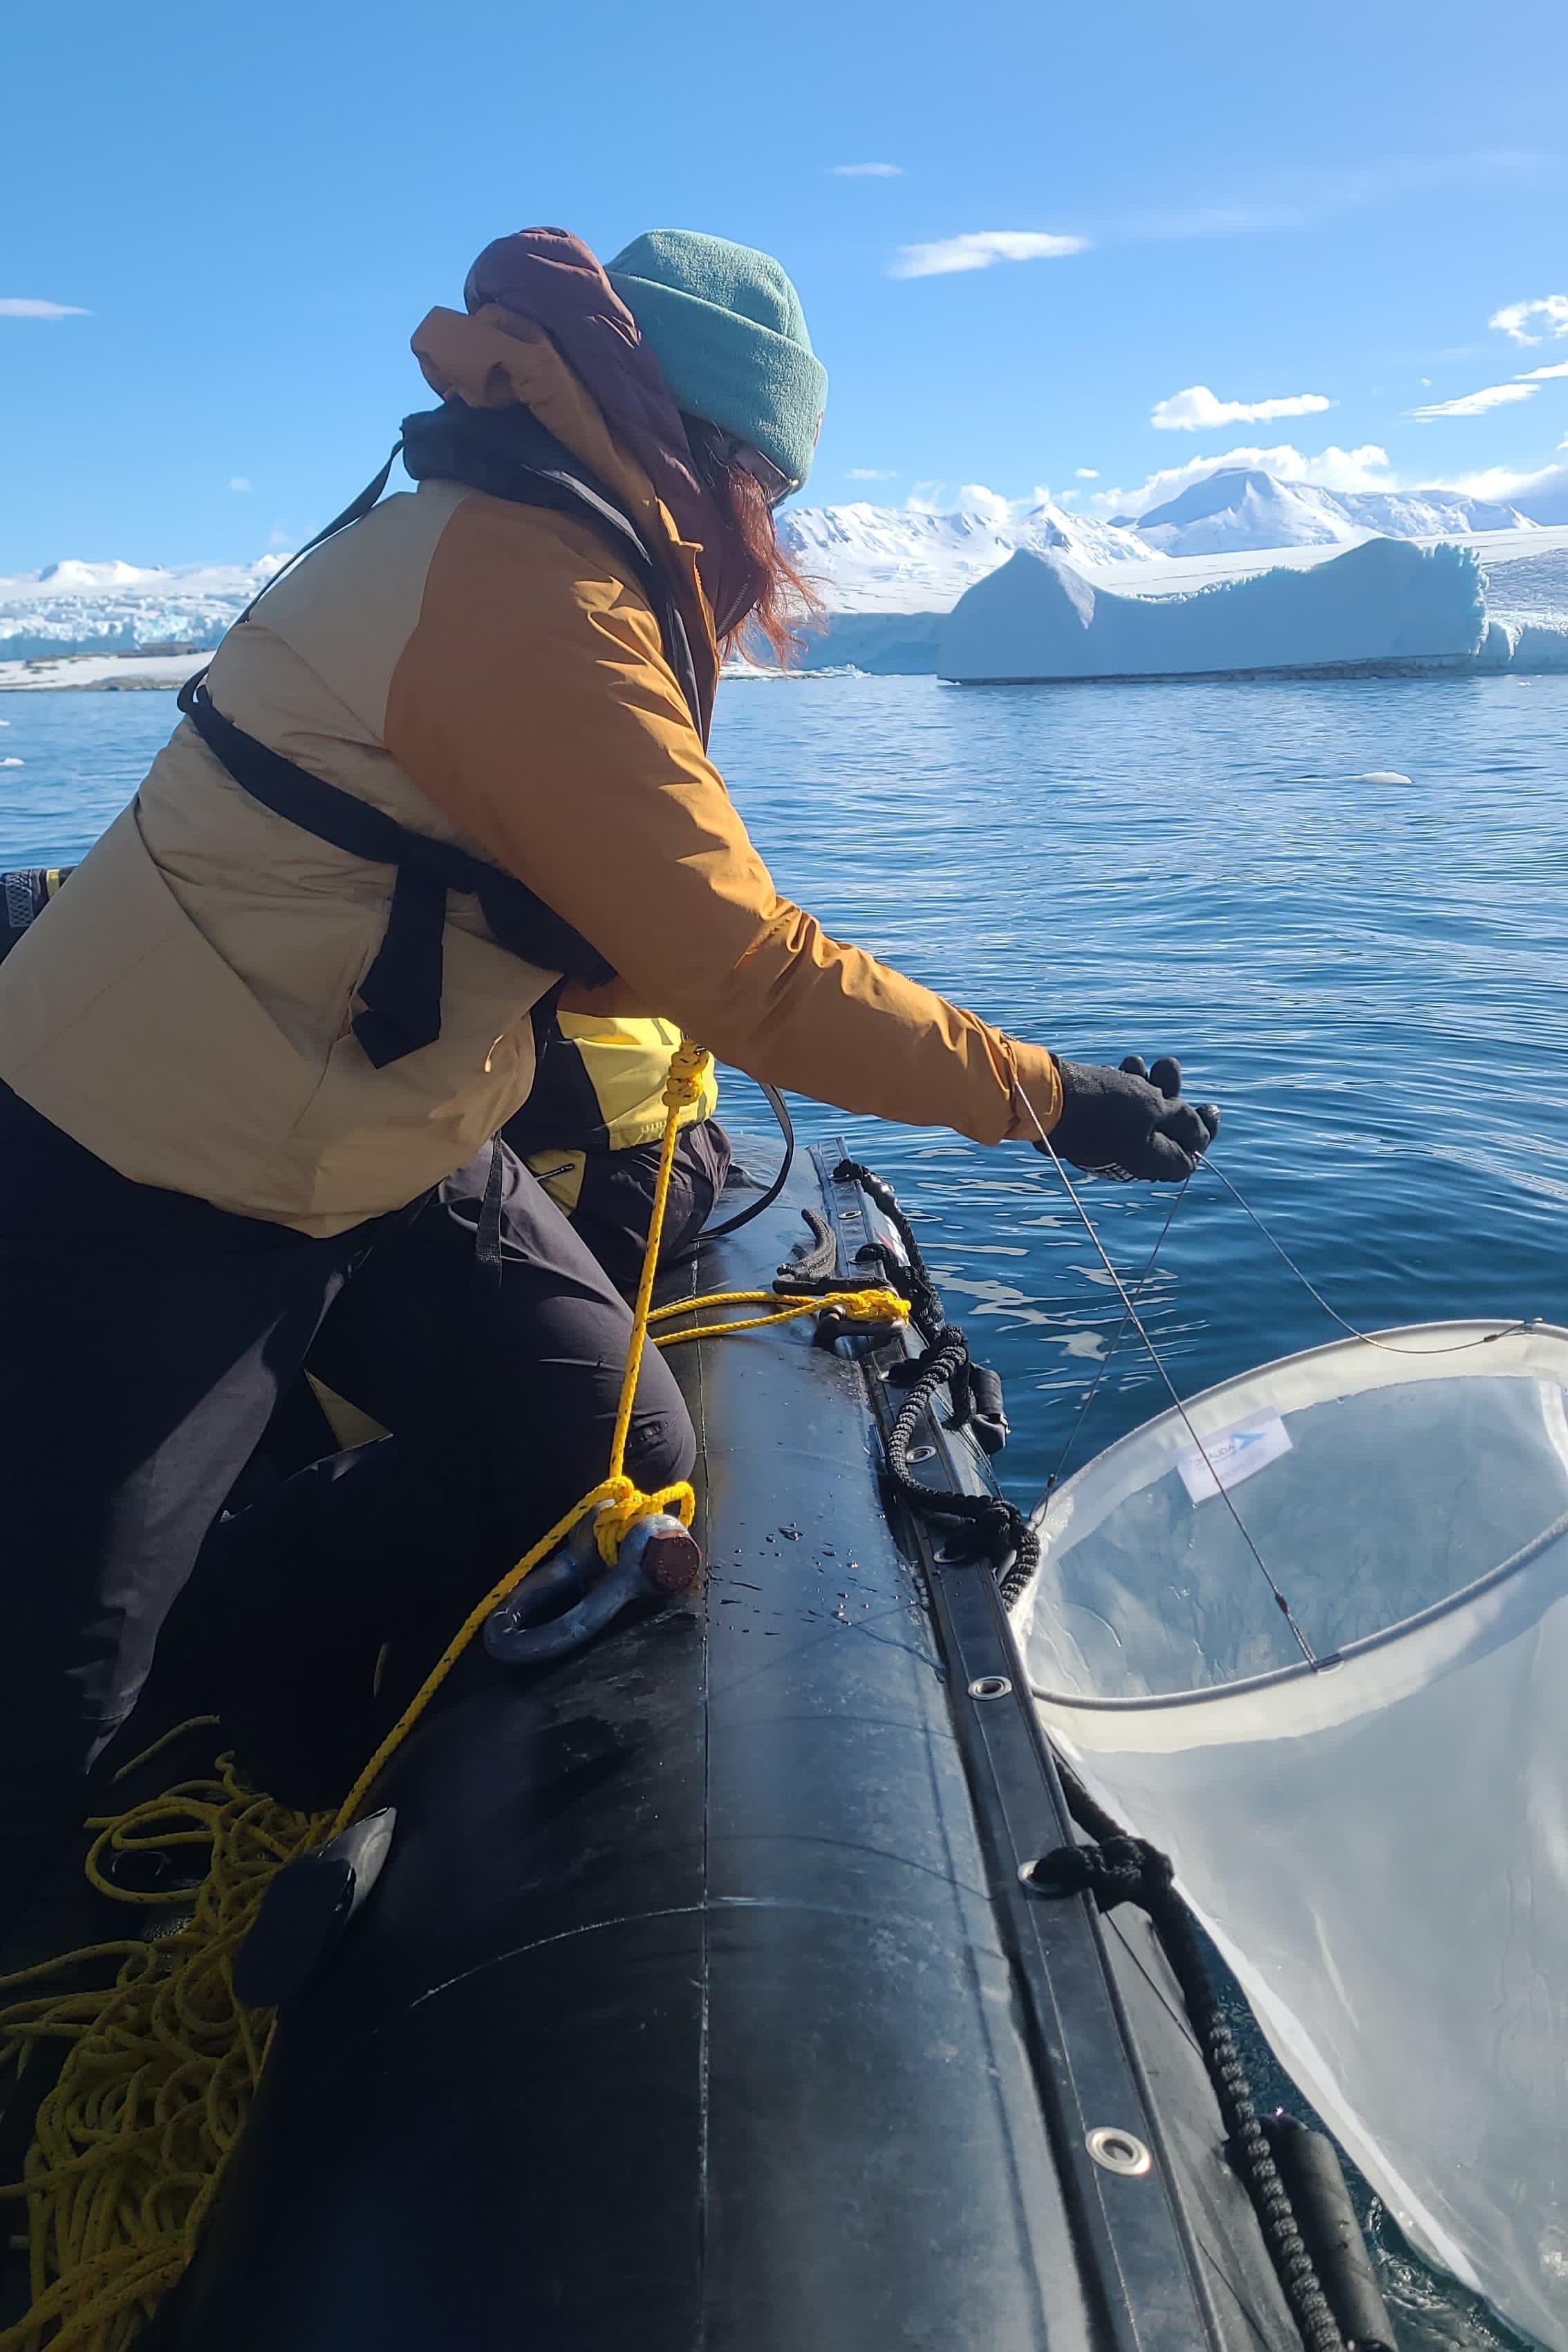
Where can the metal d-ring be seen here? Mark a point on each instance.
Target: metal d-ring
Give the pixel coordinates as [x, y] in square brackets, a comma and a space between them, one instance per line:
[656, 1558]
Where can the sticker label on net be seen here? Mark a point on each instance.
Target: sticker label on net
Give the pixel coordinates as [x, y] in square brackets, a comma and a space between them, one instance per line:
[1233, 1454]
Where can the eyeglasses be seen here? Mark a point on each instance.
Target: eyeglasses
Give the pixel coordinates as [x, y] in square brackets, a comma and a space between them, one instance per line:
[775, 484]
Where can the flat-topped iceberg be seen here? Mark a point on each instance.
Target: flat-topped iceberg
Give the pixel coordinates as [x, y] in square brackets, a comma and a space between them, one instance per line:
[1385, 603]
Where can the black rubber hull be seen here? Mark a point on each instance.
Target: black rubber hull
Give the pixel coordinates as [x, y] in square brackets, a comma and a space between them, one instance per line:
[691, 2010]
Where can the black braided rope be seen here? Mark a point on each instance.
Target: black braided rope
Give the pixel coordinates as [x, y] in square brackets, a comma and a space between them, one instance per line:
[1120, 1869]
[924, 1301]
[995, 1530]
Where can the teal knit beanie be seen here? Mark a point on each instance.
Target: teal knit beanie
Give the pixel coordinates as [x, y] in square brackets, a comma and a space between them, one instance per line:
[726, 326]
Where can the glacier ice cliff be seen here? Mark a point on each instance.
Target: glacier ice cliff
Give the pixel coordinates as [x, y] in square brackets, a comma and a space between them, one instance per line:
[123, 608]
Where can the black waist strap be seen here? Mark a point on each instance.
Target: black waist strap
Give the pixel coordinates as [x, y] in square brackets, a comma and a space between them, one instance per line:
[401, 994]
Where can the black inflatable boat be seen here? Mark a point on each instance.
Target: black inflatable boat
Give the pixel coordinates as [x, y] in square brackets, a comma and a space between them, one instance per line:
[706, 2001]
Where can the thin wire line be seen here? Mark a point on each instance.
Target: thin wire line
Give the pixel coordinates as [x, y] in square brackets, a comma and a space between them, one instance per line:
[1157, 1360]
[1459, 1347]
[1120, 1330]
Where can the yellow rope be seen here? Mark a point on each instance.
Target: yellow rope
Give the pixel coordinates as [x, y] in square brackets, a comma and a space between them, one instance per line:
[616, 1494]
[163, 2062]
[855, 1305]
[688, 1067]
[160, 2065]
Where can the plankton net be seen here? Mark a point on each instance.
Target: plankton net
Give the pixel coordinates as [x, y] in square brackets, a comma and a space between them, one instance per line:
[1366, 1797]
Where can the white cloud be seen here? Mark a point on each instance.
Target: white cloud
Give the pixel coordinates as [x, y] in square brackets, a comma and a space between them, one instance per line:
[866, 171]
[1474, 403]
[1086, 474]
[1197, 410]
[1517, 319]
[1365, 468]
[1505, 484]
[19, 305]
[871, 474]
[1541, 375]
[978, 250]
[239, 482]
[975, 499]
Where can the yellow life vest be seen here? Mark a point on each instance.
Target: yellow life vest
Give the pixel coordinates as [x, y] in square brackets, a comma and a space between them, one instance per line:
[599, 1087]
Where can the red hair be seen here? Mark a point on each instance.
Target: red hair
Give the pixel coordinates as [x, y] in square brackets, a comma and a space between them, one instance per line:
[780, 599]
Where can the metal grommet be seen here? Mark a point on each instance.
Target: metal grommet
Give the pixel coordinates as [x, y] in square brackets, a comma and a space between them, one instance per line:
[922, 1454]
[1119, 2151]
[990, 1686]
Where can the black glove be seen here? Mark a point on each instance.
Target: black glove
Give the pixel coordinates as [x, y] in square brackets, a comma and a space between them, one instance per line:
[1131, 1122]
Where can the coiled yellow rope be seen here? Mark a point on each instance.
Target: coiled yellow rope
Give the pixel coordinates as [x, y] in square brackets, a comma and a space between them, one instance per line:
[161, 2066]
[162, 2063]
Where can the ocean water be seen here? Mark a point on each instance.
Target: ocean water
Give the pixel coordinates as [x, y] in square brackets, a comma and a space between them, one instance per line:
[1370, 978]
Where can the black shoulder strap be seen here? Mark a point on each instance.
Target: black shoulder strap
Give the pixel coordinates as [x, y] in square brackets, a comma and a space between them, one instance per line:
[355, 511]
[401, 992]
[509, 453]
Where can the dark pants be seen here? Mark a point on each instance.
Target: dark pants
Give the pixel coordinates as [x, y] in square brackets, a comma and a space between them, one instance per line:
[615, 1204]
[148, 1337]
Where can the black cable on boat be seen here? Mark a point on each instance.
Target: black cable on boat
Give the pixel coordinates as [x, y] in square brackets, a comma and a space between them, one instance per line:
[780, 1109]
[1117, 1868]
[997, 1529]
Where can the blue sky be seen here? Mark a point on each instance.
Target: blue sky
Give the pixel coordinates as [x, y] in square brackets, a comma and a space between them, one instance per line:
[255, 206]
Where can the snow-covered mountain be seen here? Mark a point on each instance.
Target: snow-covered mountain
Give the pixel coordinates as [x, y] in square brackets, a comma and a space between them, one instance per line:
[865, 560]
[1242, 510]
[868, 558]
[1433, 514]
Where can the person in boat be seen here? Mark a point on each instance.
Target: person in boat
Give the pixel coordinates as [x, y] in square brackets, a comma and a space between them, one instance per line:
[252, 1061]
[590, 1134]
[591, 1129]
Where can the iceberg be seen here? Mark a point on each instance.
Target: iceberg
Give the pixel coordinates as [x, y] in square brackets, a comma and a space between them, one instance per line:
[1388, 602]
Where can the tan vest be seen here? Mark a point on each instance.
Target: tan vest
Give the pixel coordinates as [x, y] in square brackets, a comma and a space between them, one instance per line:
[183, 1009]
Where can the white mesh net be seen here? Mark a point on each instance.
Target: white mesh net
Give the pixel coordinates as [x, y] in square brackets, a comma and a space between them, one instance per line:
[1378, 1844]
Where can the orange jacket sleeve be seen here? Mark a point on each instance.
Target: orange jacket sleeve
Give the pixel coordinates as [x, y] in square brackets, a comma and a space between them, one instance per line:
[534, 707]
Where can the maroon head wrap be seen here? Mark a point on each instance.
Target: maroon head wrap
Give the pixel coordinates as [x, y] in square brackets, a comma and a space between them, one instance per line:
[549, 276]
